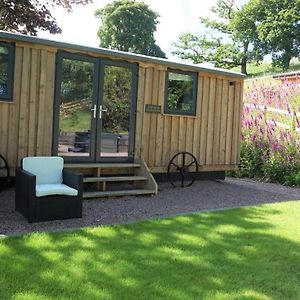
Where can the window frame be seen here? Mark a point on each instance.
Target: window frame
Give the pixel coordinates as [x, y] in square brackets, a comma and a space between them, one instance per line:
[194, 93]
[11, 66]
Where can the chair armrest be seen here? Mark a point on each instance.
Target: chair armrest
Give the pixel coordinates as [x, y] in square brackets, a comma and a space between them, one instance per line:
[25, 192]
[74, 180]
[25, 181]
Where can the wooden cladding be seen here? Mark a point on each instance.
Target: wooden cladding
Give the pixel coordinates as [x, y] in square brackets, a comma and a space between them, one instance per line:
[213, 135]
[26, 122]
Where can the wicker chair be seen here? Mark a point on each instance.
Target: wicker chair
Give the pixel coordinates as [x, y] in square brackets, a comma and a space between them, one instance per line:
[45, 191]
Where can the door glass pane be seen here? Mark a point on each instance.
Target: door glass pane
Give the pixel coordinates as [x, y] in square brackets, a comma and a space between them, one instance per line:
[116, 111]
[76, 102]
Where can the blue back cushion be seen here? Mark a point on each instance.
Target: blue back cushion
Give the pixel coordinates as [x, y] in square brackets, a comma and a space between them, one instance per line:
[47, 169]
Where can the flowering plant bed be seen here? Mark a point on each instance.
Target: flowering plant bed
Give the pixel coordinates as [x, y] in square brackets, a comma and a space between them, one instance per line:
[270, 147]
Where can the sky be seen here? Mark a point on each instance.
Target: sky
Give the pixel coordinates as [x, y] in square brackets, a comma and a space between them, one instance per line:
[176, 16]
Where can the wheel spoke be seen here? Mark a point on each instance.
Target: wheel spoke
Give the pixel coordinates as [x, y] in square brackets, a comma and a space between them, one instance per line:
[190, 164]
[186, 177]
[182, 180]
[172, 163]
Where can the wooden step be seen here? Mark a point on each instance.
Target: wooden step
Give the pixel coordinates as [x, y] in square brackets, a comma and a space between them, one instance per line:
[117, 193]
[102, 165]
[114, 178]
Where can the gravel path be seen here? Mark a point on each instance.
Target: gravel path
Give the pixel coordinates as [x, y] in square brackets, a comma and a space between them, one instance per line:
[202, 196]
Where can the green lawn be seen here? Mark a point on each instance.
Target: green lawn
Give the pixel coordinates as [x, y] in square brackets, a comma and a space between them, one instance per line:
[264, 69]
[78, 121]
[247, 253]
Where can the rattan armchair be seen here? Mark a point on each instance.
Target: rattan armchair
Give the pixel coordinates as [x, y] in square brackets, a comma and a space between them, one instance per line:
[45, 191]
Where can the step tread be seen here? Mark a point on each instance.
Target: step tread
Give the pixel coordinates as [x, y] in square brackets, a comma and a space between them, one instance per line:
[102, 165]
[117, 193]
[114, 178]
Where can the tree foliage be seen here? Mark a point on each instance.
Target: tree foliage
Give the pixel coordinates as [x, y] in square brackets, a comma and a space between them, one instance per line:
[180, 95]
[77, 87]
[4, 70]
[240, 35]
[128, 25]
[221, 44]
[201, 49]
[76, 80]
[117, 99]
[27, 16]
[277, 25]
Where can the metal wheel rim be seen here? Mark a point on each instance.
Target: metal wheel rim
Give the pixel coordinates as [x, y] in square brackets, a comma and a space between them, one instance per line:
[183, 169]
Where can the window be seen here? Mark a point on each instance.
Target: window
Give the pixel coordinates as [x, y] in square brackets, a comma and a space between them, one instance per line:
[181, 93]
[6, 70]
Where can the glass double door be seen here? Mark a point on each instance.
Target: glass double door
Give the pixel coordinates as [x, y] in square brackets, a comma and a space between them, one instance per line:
[94, 109]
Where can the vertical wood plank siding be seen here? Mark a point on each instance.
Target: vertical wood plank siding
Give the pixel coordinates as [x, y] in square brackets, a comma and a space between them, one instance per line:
[213, 135]
[26, 123]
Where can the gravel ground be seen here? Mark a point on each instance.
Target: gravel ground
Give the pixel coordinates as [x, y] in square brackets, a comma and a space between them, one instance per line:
[202, 196]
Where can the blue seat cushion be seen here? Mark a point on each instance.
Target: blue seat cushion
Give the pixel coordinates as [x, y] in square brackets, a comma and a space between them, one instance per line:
[54, 189]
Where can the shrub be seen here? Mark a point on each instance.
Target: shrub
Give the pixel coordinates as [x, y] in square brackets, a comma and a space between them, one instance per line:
[270, 144]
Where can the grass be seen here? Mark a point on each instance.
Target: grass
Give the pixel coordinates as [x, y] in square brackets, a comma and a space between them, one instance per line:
[264, 69]
[265, 80]
[247, 253]
[77, 121]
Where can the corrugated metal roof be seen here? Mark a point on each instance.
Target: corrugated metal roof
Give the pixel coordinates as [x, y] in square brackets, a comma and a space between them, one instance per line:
[289, 74]
[117, 54]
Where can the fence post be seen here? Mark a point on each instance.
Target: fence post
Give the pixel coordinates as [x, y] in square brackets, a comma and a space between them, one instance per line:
[265, 118]
[294, 121]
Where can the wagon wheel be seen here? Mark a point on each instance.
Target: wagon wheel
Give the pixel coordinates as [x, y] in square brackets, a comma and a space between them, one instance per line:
[4, 173]
[182, 163]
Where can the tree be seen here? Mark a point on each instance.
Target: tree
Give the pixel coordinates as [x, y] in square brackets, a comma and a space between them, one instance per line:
[244, 29]
[205, 48]
[245, 34]
[277, 26]
[128, 25]
[117, 100]
[76, 96]
[224, 45]
[27, 16]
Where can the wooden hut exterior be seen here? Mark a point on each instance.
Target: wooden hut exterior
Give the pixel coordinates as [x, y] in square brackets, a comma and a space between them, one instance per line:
[291, 77]
[30, 109]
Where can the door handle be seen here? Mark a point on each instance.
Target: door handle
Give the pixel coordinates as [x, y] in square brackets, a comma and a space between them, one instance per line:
[94, 110]
[101, 110]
